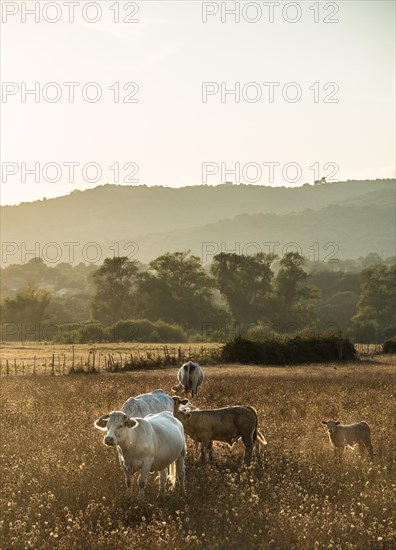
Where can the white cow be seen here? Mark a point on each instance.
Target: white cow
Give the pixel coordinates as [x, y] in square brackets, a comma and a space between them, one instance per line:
[152, 403]
[190, 377]
[148, 403]
[349, 435]
[148, 444]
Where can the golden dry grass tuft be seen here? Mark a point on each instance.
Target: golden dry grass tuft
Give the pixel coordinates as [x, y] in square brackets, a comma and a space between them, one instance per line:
[61, 488]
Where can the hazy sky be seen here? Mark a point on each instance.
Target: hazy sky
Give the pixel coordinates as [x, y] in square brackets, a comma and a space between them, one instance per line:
[170, 132]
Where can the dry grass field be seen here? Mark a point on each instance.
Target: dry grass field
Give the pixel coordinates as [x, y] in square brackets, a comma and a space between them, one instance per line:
[62, 488]
[23, 357]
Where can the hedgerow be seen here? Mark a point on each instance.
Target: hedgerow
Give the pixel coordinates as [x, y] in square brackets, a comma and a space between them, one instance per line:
[389, 346]
[285, 350]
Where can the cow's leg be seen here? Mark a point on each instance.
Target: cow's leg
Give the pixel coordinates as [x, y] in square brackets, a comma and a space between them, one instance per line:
[163, 474]
[370, 449]
[196, 448]
[248, 442]
[362, 449]
[180, 469]
[145, 471]
[368, 446]
[128, 476]
[257, 448]
[129, 479]
[338, 452]
[202, 453]
[210, 451]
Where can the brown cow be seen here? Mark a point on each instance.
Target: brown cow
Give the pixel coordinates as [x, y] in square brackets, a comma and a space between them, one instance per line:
[227, 424]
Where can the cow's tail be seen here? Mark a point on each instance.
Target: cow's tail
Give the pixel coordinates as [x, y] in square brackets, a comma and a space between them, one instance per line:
[255, 431]
[172, 474]
[190, 369]
[261, 438]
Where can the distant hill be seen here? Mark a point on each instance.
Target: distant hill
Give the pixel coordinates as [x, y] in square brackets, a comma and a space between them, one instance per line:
[355, 231]
[357, 215]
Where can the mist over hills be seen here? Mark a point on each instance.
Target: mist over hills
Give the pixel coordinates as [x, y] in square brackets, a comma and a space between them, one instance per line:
[358, 216]
[343, 232]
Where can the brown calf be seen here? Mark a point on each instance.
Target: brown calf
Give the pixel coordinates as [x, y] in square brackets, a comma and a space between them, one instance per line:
[227, 424]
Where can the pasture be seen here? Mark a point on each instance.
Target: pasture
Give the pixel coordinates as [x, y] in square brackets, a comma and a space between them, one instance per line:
[46, 357]
[62, 488]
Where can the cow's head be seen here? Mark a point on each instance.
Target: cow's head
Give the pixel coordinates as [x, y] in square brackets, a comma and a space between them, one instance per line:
[176, 408]
[330, 424]
[116, 424]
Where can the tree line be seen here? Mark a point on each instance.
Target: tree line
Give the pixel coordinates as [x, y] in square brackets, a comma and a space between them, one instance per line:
[256, 294]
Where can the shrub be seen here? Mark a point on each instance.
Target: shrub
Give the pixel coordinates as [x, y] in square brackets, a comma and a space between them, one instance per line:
[195, 337]
[78, 333]
[143, 330]
[288, 350]
[170, 333]
[389, 346]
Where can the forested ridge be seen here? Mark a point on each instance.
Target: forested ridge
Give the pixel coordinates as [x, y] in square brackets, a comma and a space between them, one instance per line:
[357, 215]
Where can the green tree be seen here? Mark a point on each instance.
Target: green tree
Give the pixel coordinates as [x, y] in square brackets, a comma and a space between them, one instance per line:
[293, 300]
[114, 285]
[377, 303]
[332, 282]
[29, 306]
[337, 310]
[245, 281]
[176, 289]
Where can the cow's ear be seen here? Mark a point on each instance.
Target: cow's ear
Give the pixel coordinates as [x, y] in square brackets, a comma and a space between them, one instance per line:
[183, 401]
[174, 389]
[324, 422]
[130, 422]
[101, 422]
[337, 423]
[176, 405]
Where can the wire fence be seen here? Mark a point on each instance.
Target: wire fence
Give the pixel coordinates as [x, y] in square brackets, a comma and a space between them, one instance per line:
[368, 349]
[96, 361]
